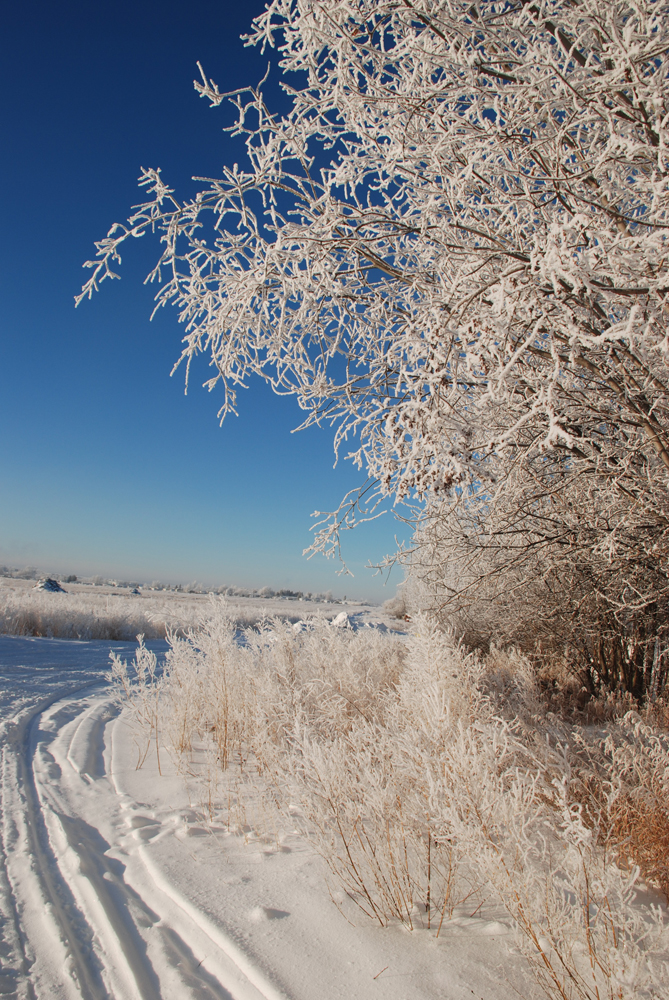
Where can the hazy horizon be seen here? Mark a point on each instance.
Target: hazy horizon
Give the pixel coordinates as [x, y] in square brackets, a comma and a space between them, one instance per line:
[32, 572]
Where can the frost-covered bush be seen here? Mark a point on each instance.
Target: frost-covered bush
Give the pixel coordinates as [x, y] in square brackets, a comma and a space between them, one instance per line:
[396, 606]
[426, 778]
[452, 245]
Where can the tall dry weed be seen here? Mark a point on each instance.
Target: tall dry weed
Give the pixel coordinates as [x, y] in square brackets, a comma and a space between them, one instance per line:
[426, 777]
[621, 775]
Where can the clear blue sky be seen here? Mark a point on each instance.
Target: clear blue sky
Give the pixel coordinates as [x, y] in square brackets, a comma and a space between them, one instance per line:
[105, 465]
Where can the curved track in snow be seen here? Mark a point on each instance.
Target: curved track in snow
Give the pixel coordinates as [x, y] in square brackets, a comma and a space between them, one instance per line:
[81, 916]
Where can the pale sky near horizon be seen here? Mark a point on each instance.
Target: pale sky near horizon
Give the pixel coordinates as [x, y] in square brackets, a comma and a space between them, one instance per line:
[106, 466]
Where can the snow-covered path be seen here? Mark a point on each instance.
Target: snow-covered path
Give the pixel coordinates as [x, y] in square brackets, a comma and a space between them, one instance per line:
[113, 886]
[47, 945]
[73, 925]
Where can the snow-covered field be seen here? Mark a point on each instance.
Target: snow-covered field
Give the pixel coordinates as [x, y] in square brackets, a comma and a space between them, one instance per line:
[153, 845]
[106, 612]
[114, 883]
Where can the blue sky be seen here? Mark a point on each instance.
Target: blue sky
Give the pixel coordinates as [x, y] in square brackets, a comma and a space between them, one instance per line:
[106, 466]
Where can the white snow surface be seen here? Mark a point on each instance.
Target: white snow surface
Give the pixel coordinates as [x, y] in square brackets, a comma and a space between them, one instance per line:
[114, 884]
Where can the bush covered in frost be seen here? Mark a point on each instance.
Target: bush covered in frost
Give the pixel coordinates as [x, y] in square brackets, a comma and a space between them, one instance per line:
[426, 778]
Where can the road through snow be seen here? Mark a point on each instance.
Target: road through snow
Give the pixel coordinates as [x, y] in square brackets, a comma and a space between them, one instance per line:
[113, 885]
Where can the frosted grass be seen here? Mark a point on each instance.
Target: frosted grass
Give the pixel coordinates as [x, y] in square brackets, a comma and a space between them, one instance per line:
[425, 778]
[87, 612]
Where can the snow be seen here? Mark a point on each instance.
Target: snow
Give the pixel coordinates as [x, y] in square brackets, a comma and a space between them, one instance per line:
[116, 883]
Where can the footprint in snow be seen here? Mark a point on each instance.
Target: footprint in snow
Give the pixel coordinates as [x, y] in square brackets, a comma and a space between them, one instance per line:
[144, 827]
[261, 913]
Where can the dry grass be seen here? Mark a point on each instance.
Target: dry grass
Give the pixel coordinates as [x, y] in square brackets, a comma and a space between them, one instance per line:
[68, 616]
[639, 834]
[425, 778]
[89, 613]
[619, 768]
[621, 778]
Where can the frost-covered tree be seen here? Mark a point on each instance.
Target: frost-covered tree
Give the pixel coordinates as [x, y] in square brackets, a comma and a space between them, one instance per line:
[453, 247]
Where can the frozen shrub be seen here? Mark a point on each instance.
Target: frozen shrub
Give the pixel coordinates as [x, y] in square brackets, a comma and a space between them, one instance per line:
[426, 777]
[575, 910]
[396, 606]
[621, 777]
[140, 689]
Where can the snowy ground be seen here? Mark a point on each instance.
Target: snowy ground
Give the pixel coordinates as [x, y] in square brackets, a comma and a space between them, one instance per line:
[114, 884]
[116, 613]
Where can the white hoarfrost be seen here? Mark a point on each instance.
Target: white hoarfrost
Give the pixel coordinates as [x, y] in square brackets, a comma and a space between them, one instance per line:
[452, 247]
[436, 790]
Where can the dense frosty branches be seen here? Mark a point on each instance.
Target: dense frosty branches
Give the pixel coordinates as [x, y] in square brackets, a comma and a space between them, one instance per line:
[453, 247]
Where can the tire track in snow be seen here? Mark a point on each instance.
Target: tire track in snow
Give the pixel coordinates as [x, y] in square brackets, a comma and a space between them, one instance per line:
[124, 909]
[56, 894]
[95, 881]
[117, 913]
[78, 919]
[14, 949]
